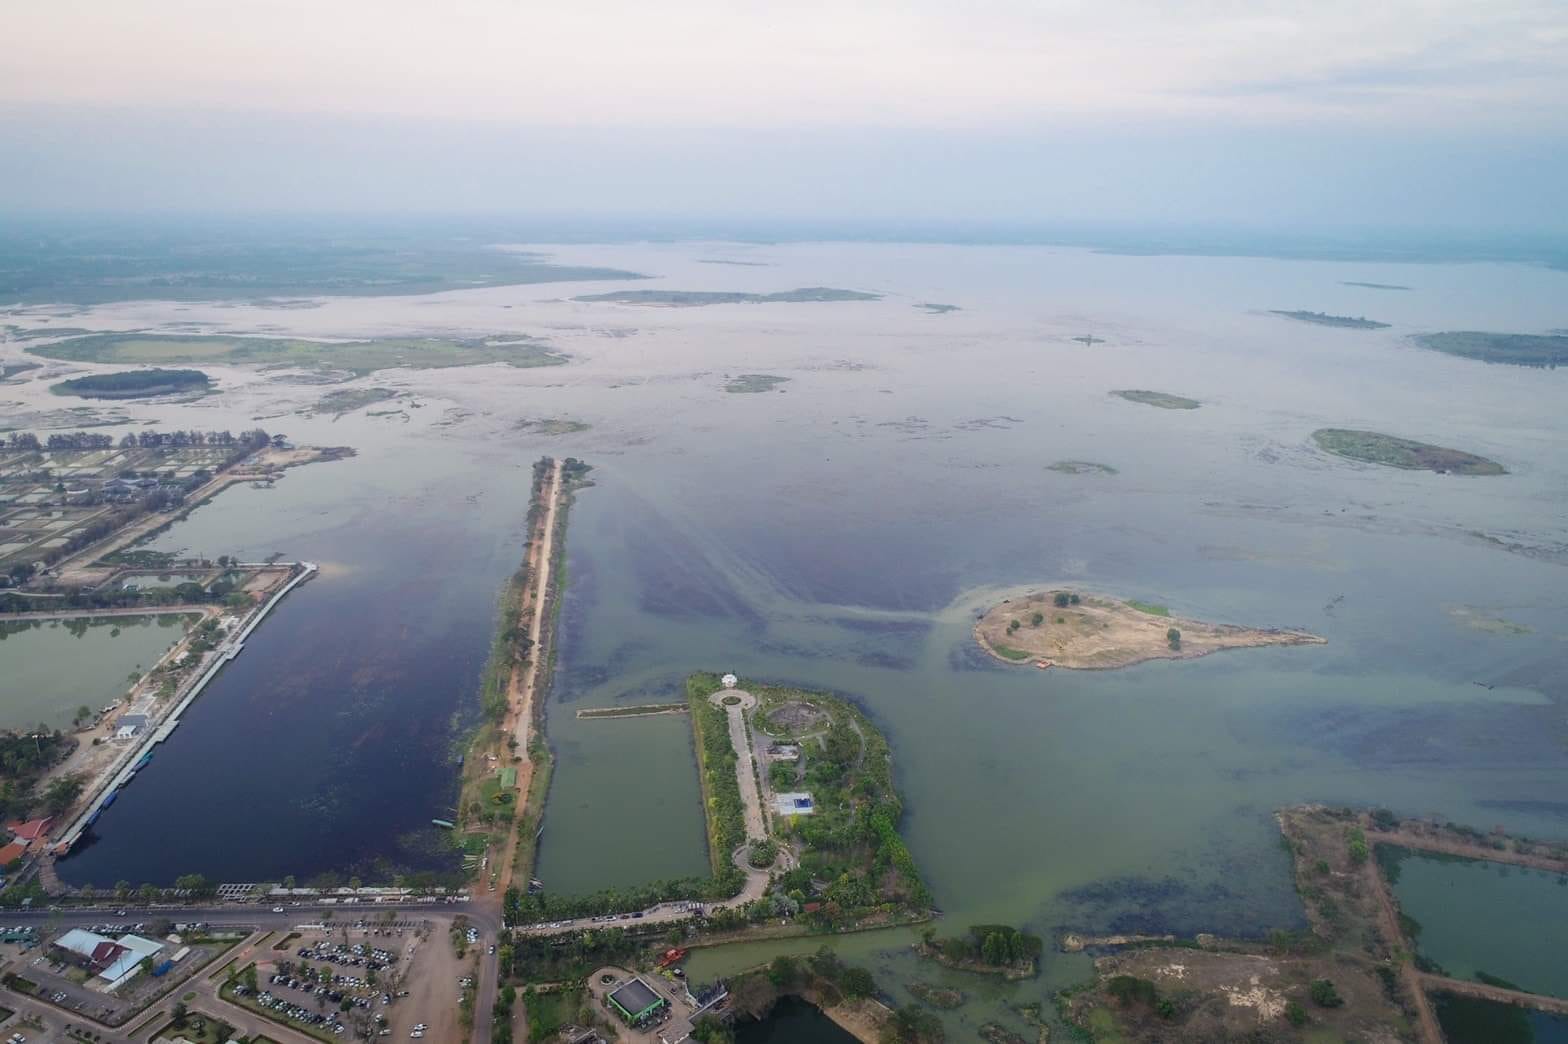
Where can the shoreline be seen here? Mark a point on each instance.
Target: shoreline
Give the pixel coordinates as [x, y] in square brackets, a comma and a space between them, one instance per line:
[121, 770]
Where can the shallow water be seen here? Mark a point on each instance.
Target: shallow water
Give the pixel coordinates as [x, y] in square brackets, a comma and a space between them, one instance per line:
[48, 669]
[842, 533]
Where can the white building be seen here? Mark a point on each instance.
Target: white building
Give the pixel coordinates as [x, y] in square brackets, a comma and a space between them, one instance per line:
[729, 681]
[112, 960]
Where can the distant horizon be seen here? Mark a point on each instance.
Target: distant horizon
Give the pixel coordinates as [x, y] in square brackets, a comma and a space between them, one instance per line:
[1370, 243]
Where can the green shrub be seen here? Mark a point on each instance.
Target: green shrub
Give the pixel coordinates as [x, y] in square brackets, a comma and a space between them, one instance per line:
[1324, 995]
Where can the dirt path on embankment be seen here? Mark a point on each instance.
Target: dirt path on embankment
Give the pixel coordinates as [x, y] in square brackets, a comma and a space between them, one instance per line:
[1450, 846]
[1481, 991]
[523, 685]
[1388, 925]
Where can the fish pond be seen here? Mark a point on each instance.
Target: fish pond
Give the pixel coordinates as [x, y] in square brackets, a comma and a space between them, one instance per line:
[51, 668]
[1484, 921]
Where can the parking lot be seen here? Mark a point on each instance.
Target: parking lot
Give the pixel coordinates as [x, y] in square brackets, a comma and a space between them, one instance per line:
[335, 980]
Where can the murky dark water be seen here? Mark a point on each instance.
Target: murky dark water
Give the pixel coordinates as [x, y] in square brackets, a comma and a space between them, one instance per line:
[792, 1022]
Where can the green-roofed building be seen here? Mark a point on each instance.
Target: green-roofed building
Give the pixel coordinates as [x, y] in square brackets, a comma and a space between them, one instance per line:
[635, 1001]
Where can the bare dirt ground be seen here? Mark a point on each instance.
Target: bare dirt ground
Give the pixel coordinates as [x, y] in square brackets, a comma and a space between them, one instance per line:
[1229, 989]
[1101, 633]
[433, 991]
[1229, 996]
[1356, 942]
[793, 717]
[862, 1019]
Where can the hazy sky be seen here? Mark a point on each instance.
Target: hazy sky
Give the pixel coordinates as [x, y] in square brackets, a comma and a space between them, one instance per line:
[1403, 112]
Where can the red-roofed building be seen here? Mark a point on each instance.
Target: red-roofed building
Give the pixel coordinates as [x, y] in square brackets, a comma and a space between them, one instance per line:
[106, 953]
[11, 853]
[29, 831]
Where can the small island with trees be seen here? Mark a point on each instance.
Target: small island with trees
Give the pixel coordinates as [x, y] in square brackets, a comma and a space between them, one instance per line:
[1548, 350]
[1160, 400]
[1372, 447]
[1348, 322]
[753, 383]
[1059, 628]
[988, 949]
[134, 384]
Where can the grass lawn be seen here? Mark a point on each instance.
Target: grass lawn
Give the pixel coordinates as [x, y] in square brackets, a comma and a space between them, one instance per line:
[1153, 609]
[1011, 654]
[199, 1027]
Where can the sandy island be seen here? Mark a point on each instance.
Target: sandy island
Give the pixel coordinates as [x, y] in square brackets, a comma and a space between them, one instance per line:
[1099, 633]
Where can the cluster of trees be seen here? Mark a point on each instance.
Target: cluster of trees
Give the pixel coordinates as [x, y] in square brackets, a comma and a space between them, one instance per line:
[832, 982]
[725, 811]
[1062, 599]
[131, 383]
[912, 1024]
[521, 907]
[852, 838]
[24, 755]
[501, 1017]
[1356, 845]
[998, 945]
[148, 439]
[223, 590]
[1173, 637]
[538, 959]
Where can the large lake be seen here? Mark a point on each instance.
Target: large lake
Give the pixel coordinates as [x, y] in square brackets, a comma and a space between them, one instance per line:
[844, 530]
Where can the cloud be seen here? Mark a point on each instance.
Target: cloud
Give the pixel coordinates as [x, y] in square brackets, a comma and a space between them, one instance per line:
[743, 63]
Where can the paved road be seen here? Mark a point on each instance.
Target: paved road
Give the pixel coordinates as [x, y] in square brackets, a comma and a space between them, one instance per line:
[260, 916]
[746, 774]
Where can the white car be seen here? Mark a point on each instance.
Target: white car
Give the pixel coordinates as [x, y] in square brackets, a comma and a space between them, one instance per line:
[277, 909]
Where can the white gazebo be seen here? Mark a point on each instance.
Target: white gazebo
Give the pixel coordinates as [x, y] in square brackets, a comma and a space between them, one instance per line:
[729, 681]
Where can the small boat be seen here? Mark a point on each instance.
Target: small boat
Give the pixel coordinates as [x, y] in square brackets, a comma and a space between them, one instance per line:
[448, 824]
[109, 800]
[1042, 664]
[143, 763]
